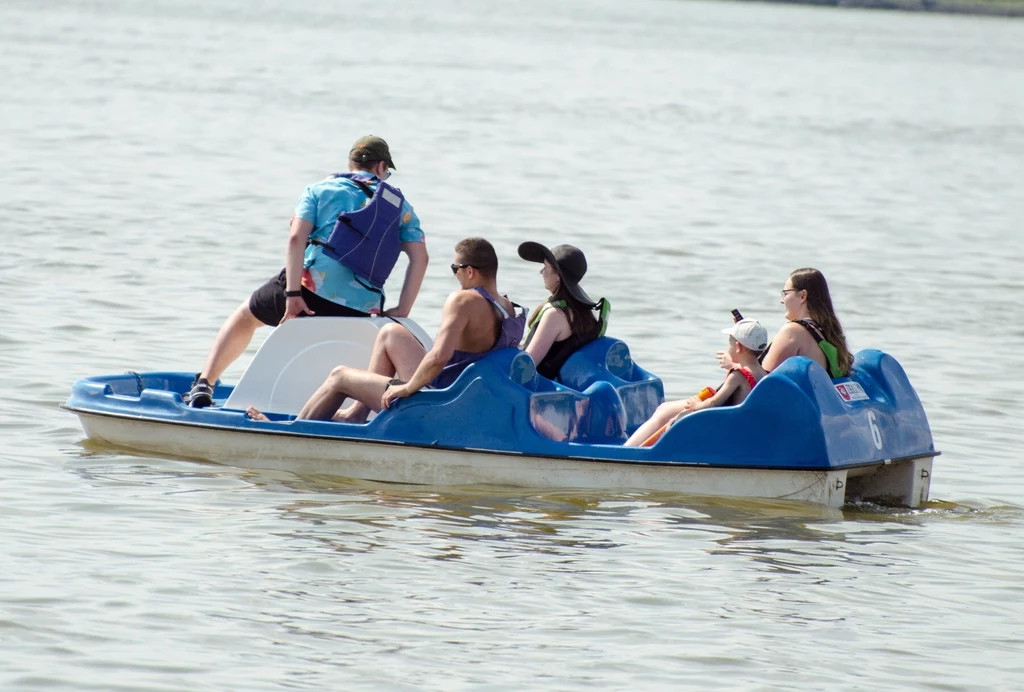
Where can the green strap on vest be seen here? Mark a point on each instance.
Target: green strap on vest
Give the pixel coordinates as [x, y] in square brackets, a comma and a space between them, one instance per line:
[830, 352]
[832, 356]
[535, 320]
[531, 326]
[606, 308]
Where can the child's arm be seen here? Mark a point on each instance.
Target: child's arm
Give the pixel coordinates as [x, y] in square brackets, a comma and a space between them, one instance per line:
[733, 381]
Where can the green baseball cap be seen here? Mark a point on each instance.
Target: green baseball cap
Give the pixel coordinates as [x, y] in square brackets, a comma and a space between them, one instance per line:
[370, 149]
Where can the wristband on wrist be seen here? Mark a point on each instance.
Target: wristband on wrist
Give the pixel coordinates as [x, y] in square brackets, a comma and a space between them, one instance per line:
[293, 294]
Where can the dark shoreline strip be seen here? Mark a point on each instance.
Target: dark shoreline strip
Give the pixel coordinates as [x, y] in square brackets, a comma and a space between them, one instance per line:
[1014, 8]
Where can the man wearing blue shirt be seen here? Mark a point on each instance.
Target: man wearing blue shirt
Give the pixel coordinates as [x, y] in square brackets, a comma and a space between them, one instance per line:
[311, 282]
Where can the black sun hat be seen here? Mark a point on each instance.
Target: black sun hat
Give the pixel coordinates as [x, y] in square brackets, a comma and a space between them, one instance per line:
[567, 260]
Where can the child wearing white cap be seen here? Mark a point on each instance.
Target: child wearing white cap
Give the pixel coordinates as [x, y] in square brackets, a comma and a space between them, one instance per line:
[747, 338]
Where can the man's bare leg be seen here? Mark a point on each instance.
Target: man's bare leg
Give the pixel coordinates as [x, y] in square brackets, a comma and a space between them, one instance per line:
[254, 413]
[365, 387]
[396, 353]
[232, 339]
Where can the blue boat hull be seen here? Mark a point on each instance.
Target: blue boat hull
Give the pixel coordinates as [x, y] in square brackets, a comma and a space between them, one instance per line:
[797, 424]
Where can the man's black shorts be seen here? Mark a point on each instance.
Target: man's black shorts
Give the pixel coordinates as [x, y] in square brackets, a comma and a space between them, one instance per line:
[268, 303]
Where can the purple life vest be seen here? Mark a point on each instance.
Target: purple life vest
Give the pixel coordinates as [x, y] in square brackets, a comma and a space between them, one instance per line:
[510, 334]
[367, 240]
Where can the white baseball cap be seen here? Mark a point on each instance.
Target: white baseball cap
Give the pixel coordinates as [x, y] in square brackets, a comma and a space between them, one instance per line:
[749, 333]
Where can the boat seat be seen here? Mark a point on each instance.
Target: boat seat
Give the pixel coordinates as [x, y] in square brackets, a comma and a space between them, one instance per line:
[608, 360]
[506, 386]
[511, 363]
[594, 416]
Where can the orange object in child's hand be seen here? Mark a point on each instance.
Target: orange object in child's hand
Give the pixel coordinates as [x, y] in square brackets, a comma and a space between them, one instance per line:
[706, 393]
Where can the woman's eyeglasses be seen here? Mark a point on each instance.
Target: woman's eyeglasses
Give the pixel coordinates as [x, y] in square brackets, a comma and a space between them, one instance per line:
[457, 267]
[790, 290]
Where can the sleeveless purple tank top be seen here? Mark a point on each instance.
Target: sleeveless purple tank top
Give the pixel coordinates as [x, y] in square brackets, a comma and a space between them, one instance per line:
[510, 334]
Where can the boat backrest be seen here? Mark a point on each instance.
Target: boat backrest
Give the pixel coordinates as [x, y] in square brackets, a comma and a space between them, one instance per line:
[608, 360]
[878, 396]
[873, 414]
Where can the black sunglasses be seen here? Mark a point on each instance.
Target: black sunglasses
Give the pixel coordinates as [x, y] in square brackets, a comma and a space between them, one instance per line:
[457, 267]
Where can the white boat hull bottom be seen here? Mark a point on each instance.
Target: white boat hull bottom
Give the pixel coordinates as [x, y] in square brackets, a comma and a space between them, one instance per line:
[901, 483]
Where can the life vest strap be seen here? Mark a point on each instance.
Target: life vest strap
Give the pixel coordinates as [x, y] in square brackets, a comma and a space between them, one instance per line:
[606, 308]
[367, 190]
[827, 347]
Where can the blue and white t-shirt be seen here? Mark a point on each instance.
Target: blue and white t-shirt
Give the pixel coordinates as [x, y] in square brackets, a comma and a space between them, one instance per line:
[320, 204]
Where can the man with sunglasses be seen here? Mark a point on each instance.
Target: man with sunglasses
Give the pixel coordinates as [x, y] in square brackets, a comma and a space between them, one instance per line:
[475, 321]
[327, 273]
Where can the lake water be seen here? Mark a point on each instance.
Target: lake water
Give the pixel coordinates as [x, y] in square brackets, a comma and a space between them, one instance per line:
[697, 152]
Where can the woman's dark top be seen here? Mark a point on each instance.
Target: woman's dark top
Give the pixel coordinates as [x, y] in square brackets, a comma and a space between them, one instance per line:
[550, 365]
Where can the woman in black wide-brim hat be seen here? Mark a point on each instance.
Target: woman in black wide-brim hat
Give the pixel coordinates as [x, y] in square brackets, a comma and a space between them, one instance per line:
[566, 320]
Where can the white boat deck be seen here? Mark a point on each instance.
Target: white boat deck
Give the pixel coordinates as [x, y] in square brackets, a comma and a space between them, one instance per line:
[299, 355]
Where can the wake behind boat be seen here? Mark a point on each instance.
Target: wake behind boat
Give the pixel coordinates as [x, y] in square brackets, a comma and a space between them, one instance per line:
[797, 436]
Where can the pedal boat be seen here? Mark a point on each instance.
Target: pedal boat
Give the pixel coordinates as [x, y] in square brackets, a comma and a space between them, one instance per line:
[798, 436]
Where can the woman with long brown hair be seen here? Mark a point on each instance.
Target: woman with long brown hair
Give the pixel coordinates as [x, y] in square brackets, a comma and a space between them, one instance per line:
[566, 320]
[813, 330]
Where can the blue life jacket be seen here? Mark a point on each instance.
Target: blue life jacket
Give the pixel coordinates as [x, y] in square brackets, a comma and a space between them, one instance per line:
[367, 240]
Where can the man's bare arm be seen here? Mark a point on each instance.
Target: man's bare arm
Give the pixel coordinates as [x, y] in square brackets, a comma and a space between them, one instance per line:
[414, 273]
[297, 239]
[454, 321]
